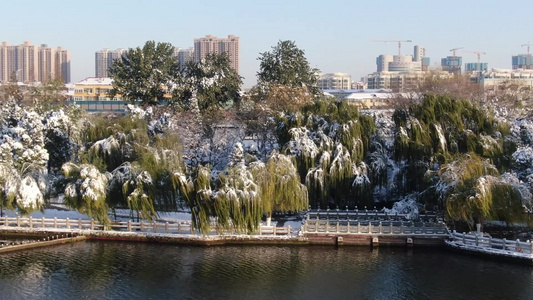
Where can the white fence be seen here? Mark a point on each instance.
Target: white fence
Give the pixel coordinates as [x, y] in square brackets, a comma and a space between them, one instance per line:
[489, 242]
[155, 227]
[374, 227]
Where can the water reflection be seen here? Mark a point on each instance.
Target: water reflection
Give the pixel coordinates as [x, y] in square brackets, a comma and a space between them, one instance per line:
[113, 270]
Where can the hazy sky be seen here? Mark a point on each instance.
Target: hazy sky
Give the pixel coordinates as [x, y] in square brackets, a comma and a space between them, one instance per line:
[336, 35]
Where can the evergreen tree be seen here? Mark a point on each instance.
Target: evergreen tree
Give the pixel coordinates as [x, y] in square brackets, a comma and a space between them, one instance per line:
[286, 65]
[145, 74]
[212, 82]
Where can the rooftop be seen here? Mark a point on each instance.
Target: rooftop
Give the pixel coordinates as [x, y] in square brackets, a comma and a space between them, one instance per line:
[96, 81]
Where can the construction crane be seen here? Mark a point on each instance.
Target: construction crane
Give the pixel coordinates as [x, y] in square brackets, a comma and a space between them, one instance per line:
[527, 45]
[455, 49]
[479, 53]
[455, 64]
[399, 44]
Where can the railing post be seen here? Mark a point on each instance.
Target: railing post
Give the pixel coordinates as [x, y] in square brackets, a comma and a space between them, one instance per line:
[274, 230]
[6, 222]
[166, 227]
[68, 223]
[477, 240]
[142, 226]
[490, 242]
[337, 227]
[31, 222]
[129, 225]
[154, 225]
[179, 228]
[358, 227]
[79, 223]
[42, 222]
[55, 222]
[260, 230]
[348, 226]
[92, 224]
[18, 221]
[504, 243]
[464, 239]
[289, 230]
[390, 225]
[370, 227]
[380, 228]
[517, 245]
[530, 247]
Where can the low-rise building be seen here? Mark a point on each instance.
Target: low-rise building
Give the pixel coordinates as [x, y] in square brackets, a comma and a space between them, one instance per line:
[94, 89]
[493, 78]
[334, 81]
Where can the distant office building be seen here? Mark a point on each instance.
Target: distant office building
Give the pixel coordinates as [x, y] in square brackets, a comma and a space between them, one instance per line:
[404, 63]
[419, 52]
[425, 63]
[522, 61]
[211, 44]
[31, 63]
[383, 61]
[335, 81]
[472, 67]
[452, 64]
[183, 56]
[104, 60]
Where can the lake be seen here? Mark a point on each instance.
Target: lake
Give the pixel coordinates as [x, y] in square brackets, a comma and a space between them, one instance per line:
[122, 270]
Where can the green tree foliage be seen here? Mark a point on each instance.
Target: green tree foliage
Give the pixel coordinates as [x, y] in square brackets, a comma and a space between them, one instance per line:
[86, 190]
[145, 74]
[329, 141]
[238, 199]
[287, 65]
[212, 81]
[280, 185]
[11, 90]
[472, 192]
[48, 94]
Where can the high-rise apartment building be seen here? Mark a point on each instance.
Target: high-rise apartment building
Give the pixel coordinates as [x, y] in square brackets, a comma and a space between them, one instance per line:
[183, 56]
[63, 63]
[31, 63]
[211, 44]
[104, 60]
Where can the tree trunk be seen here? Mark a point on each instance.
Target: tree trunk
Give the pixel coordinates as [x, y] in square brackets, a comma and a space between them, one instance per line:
[269, 218]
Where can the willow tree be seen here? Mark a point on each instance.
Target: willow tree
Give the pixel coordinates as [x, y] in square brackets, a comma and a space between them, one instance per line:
[86, 190]
[472, 191]
[197, 192]
[237, 203]
[280, 185]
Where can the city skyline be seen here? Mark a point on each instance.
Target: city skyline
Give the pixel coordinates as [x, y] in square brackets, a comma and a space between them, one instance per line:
[492, 27]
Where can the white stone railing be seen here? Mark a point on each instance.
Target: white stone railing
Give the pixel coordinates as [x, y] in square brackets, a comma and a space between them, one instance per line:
[478, 240]
[374, 227]
[129, 226]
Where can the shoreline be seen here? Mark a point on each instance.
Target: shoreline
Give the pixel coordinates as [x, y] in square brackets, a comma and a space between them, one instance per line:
[372, 240]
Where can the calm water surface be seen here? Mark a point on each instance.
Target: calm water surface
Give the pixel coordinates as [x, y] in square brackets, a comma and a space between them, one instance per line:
[115, 270]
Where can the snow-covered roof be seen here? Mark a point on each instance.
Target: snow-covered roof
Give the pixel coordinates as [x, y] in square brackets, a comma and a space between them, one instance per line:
[96, 81]
[332, 92]
[369, 96]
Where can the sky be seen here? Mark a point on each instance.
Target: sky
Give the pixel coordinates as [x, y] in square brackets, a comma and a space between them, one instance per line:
[336, 35]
